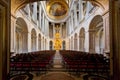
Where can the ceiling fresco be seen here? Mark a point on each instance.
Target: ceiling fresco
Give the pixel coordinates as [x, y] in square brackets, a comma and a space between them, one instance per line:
[57, 9]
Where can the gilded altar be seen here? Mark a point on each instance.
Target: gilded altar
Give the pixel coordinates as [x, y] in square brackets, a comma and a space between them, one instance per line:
[57, 42]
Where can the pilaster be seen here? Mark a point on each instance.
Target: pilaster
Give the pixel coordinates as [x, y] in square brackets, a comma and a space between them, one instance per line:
[106, 32]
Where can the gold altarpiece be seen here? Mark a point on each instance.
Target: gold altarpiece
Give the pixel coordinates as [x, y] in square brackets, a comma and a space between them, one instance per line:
[57, 39]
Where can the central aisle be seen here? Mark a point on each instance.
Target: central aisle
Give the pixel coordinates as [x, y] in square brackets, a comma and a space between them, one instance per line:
[57, 60]
[56, 74]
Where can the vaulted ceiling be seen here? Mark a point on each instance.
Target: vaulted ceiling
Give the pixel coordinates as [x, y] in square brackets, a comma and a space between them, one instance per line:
[17, 4]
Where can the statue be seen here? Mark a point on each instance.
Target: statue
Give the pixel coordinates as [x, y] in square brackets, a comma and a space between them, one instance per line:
[57, 29]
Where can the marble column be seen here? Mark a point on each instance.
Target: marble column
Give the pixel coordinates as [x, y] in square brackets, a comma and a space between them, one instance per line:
[13, 34]
[79, 43]
[47, 27]
[28, 8]
[69, 45]
[106, 31]
[53, 30]
[43, 23]
[72, 43]
[29, 42]
[42, 44]
[67, 28]
[70, 25]
[72, 28]
[75, 15]
[87, 41]
[35, 11]
[40, 18]
[37, 43]
[61, 30]
[80, 10]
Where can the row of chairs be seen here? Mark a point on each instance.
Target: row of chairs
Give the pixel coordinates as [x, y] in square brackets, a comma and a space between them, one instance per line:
[76, 61]
[34, 61]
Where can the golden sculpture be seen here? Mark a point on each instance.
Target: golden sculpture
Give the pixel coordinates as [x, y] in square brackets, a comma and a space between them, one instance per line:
[57, 42]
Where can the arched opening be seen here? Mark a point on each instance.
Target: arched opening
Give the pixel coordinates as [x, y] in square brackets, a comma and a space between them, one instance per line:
[82, 39]
[33, 40]
[75, 42]
[94, 34]
[39, 42]
[63, 45]
[51, 45]
[21, 36]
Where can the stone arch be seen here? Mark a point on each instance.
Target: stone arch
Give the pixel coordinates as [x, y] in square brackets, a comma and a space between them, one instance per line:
[75, 41]
[39, 42]
[82, 39]
[63, 45]
[51, 45]
[33, 39]
[21, 35]
[17, 4]
[95, 26]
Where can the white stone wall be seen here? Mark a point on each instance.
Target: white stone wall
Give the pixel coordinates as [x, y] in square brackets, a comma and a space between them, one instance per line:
[85, 23]
[30, 25]
[74, 25]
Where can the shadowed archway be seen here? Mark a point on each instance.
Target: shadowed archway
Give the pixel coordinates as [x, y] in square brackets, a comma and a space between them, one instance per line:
[21, 36]
[82, 39]
[33, 40]
[94, 33]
